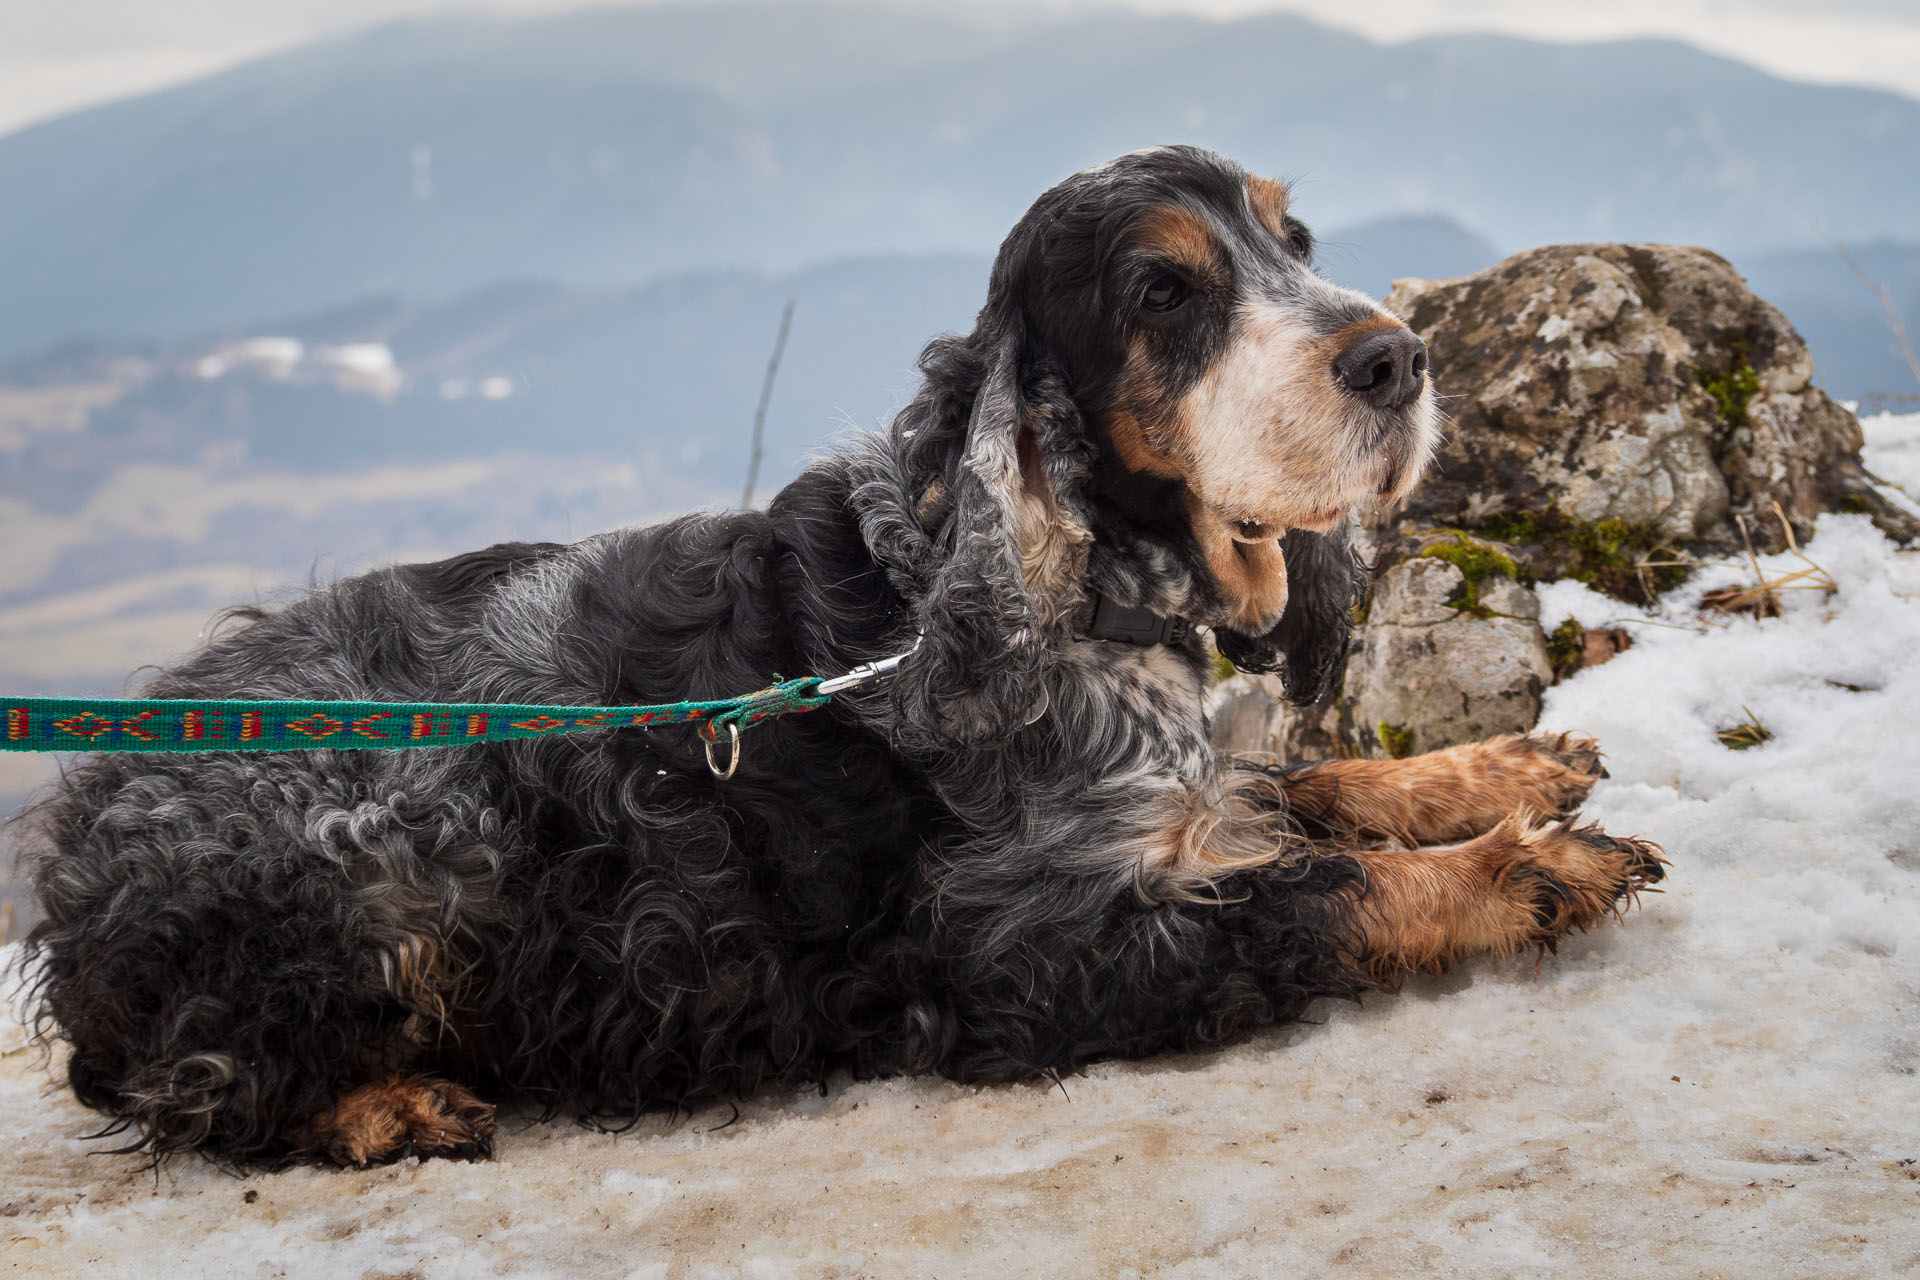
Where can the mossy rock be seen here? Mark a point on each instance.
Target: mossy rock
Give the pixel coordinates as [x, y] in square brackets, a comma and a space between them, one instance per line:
[1626, 560]
[1732, 392]
[1566, 648]
[1395, 741]
[1642, 390]
[1477, 561]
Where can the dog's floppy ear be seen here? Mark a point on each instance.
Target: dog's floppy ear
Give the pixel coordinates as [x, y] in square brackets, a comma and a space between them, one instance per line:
[1326, 583]
[998, 427]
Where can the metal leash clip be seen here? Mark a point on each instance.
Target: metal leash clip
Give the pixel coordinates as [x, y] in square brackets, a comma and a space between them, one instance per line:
[868, 672]
[864, 674]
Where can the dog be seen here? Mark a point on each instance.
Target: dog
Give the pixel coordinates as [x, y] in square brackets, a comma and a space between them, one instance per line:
[1019, 856]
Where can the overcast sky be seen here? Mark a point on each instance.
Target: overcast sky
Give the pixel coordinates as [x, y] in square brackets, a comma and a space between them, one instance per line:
[56, 55]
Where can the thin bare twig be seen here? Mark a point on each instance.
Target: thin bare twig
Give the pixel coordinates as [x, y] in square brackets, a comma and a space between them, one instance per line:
[1886, 304]
[1767, 605]
[760, 413]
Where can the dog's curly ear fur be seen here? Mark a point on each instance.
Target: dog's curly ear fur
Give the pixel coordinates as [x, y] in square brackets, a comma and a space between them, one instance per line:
[989, 425]
[1326, 583]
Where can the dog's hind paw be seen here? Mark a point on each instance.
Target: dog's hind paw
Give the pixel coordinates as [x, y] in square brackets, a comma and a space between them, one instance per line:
[406, 1115]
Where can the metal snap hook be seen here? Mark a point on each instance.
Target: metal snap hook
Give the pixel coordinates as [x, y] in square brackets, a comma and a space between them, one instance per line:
[733, 762]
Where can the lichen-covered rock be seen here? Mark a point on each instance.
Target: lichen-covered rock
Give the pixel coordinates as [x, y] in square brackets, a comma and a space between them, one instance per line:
[1640, 384]
[1616, 410]
[1429, 671]
[1246, 715]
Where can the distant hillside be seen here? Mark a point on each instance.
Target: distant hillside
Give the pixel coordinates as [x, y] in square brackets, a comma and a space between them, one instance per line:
[667, 372]
[1854, 347]
[1372, 255]
[605, 149]
[670, 371]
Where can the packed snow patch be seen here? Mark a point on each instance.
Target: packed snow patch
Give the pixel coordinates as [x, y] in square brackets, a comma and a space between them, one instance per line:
[1723, 1083]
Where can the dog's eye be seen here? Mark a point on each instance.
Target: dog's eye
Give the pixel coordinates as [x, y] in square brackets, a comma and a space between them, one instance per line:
[1299, 239]
[1165, 293]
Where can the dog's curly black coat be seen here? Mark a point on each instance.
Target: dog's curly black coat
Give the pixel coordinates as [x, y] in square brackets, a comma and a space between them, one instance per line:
[969, 872]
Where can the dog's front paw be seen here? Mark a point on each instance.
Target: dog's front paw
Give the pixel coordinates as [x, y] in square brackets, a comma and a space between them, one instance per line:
[1522, 885]
[1549, 775]
[405, 1116]
[1571, 876]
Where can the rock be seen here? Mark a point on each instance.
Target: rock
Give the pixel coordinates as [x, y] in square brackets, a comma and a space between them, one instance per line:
[1428, 673]
[1425, 671]
[1617, 410]
[1243, 714]
[1641, 384]
[1249, 715]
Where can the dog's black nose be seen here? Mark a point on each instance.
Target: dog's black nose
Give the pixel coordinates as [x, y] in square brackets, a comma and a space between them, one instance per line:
[1385, 367]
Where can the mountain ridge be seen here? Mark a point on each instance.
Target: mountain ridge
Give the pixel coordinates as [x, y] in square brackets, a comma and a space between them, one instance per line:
[615, 147]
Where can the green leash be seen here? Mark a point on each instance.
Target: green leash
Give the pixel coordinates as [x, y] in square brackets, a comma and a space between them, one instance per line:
[186, 724]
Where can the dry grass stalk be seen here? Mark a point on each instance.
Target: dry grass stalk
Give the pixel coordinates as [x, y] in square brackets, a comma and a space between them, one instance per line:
[1748, 733]
[1763, 598]
[1643, 567]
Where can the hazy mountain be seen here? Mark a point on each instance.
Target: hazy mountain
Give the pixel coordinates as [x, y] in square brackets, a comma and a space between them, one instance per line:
[608, 148]
[1854, 348]
[1372, 255]
[668, 372]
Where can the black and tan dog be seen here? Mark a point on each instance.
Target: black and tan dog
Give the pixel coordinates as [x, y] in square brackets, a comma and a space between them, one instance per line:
[1020, 857]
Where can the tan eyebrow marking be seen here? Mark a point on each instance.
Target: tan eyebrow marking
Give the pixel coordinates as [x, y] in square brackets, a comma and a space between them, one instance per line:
[1268, 200]
[1181, 235]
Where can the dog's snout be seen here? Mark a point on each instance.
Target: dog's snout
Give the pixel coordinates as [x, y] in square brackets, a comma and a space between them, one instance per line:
[1386, 367]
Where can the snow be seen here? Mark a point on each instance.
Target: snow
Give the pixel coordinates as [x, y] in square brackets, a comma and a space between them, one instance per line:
[365, 367]
[492, 387]
[1724, 1083]
[369, 359]
[1893, 451]
[276, 357]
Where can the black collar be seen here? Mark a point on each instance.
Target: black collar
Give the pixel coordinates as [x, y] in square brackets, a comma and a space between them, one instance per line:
[1128, 624]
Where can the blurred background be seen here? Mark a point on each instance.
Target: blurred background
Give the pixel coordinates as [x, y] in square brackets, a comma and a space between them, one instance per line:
[291, 289]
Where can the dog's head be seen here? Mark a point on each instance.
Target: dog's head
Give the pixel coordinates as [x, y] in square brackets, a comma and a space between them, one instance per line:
[1162, 388]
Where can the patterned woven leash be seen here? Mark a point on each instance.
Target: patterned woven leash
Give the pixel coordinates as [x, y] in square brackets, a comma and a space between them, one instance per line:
[182, 724]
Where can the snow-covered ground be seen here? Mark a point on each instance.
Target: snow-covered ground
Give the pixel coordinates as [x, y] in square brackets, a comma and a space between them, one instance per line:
[1725, 1084]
